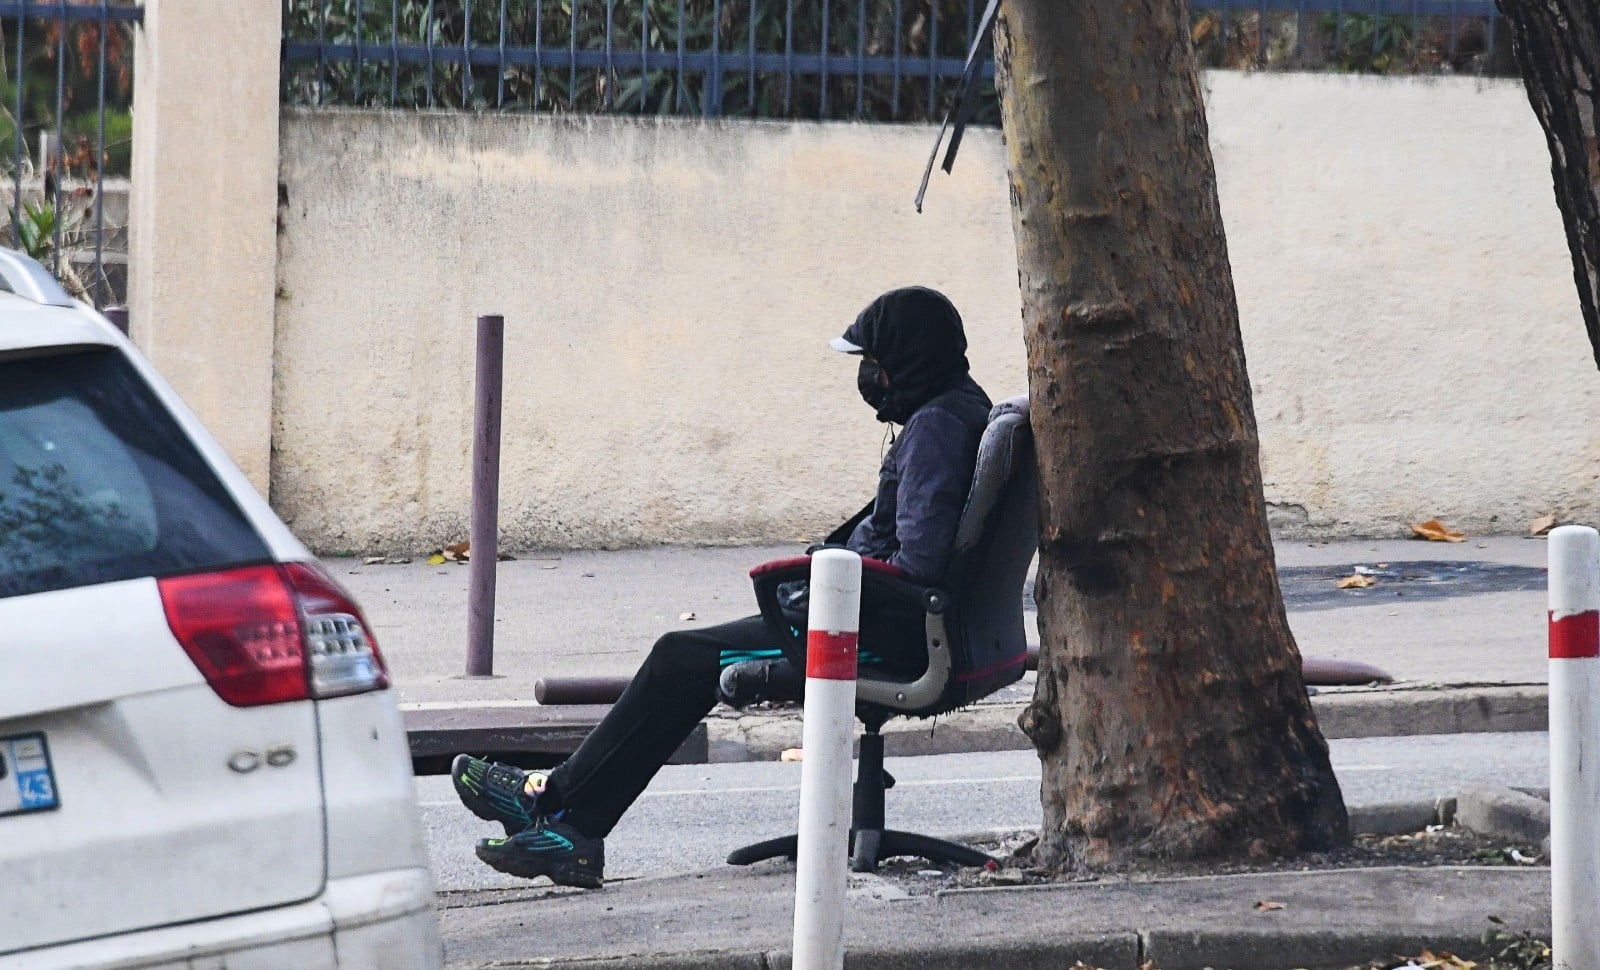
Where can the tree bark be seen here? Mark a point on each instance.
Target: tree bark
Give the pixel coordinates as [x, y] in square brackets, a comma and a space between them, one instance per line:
[1170, 714]
[1557, 43]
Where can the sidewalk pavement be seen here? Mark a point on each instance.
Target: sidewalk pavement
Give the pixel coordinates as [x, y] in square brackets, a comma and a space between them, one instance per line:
[742, 919]
[1464, 636]
[1468, 652]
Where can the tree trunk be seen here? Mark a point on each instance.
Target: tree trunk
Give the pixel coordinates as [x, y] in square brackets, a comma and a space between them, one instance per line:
[1170, 713]
[1557, 43]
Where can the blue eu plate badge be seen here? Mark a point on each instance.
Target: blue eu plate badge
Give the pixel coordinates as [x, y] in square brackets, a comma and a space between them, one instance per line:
[27, 780]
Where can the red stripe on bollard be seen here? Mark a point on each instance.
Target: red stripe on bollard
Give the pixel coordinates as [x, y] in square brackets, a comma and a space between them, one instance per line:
[830, 656]
[1575, 636]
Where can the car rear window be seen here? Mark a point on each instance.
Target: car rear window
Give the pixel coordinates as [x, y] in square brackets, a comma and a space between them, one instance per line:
[98, 483]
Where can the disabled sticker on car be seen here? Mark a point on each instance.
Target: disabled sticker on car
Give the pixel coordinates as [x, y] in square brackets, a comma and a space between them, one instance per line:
[27, 781]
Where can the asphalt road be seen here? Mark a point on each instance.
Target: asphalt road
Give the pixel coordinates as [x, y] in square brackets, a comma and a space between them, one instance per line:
[692, 815]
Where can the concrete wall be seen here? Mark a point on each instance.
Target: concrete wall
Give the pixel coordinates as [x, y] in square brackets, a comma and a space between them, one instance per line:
[203, 199]
[1409, 316]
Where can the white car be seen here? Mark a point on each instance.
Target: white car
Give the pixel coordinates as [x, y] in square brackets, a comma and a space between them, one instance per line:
[200, 762]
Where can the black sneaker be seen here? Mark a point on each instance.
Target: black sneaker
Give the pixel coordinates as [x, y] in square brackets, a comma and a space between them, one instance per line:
[548, 848]
[744, 683]
[497, 792]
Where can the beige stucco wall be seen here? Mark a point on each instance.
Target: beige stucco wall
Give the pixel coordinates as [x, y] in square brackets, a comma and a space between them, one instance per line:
[1408, 309]
[202, 232]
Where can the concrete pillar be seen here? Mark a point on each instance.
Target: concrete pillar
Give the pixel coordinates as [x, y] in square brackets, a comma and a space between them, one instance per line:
[203, 220]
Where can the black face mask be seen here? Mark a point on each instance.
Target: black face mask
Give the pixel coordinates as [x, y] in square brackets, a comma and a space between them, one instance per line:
[887, 404]
[872, 392]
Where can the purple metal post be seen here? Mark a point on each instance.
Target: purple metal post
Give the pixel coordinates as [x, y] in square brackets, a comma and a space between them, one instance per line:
[118, 315]
[485, 496]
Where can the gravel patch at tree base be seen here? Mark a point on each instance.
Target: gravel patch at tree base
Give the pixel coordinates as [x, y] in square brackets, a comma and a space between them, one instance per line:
[1436, 846]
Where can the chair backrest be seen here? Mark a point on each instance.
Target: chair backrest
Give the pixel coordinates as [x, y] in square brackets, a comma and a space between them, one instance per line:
[995, 544]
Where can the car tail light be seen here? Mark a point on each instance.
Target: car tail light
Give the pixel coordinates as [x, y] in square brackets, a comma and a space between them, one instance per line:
[341, 655]
[270, 634]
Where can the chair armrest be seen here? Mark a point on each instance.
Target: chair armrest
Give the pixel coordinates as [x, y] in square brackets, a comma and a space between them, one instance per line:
[799, 567]
[880, 582]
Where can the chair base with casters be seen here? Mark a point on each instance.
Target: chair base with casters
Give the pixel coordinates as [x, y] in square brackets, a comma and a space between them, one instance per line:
[870, 842]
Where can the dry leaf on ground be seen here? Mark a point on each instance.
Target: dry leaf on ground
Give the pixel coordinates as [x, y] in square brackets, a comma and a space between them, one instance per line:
[1541, 525]
[1435, 531]
[1357, 581]
[437, 559]
[1441, 961]
[1268, 906]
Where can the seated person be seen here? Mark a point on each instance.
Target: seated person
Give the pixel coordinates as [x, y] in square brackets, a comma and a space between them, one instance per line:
[913, 372]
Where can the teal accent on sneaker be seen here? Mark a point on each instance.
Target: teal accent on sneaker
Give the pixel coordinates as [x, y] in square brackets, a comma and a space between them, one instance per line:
[727, 658]
[549, 848]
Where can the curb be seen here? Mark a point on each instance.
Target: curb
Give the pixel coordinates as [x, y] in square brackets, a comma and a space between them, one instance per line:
[1159, 949]
[993, 727]
[1401, 818]
[1446, 710]
[1309, 949]
[1504, 813]
[701, 960]
[539, 734]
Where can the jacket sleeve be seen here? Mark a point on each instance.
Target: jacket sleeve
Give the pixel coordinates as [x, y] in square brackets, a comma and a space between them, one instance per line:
[935, 466]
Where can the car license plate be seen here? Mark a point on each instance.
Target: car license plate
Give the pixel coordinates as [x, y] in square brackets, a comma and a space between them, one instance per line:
[27, 780]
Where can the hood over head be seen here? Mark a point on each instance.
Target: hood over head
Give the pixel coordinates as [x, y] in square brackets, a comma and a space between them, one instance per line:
[915, 336]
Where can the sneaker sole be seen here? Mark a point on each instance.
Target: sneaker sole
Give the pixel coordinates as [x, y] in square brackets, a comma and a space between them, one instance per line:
[560, 873]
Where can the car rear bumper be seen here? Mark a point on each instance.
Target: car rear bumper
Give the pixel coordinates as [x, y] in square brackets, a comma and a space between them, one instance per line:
[378, 921]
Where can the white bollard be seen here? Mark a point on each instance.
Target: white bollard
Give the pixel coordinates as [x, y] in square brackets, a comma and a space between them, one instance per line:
[1574, 744]
[823, 850]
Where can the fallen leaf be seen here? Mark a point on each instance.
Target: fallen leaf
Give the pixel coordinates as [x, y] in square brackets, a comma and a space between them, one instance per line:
[1267, 906]
[553, 565]
[792, 754]
[374, 561]
[506, 557]
[459, 548]
[1357, 581]
[1541, 525]
[1435, 531]
[437, 559]
[687, 616]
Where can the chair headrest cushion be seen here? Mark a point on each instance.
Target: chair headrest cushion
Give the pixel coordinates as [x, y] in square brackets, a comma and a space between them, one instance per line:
[1007, 432]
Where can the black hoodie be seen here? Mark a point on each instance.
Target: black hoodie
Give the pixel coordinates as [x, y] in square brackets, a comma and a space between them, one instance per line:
[916, 336]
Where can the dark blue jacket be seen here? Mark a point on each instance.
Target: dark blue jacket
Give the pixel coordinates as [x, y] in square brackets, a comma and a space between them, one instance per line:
[923, 484]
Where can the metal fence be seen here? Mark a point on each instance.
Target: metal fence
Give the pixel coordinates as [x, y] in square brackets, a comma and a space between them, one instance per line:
[66, 85]
[870, 60]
